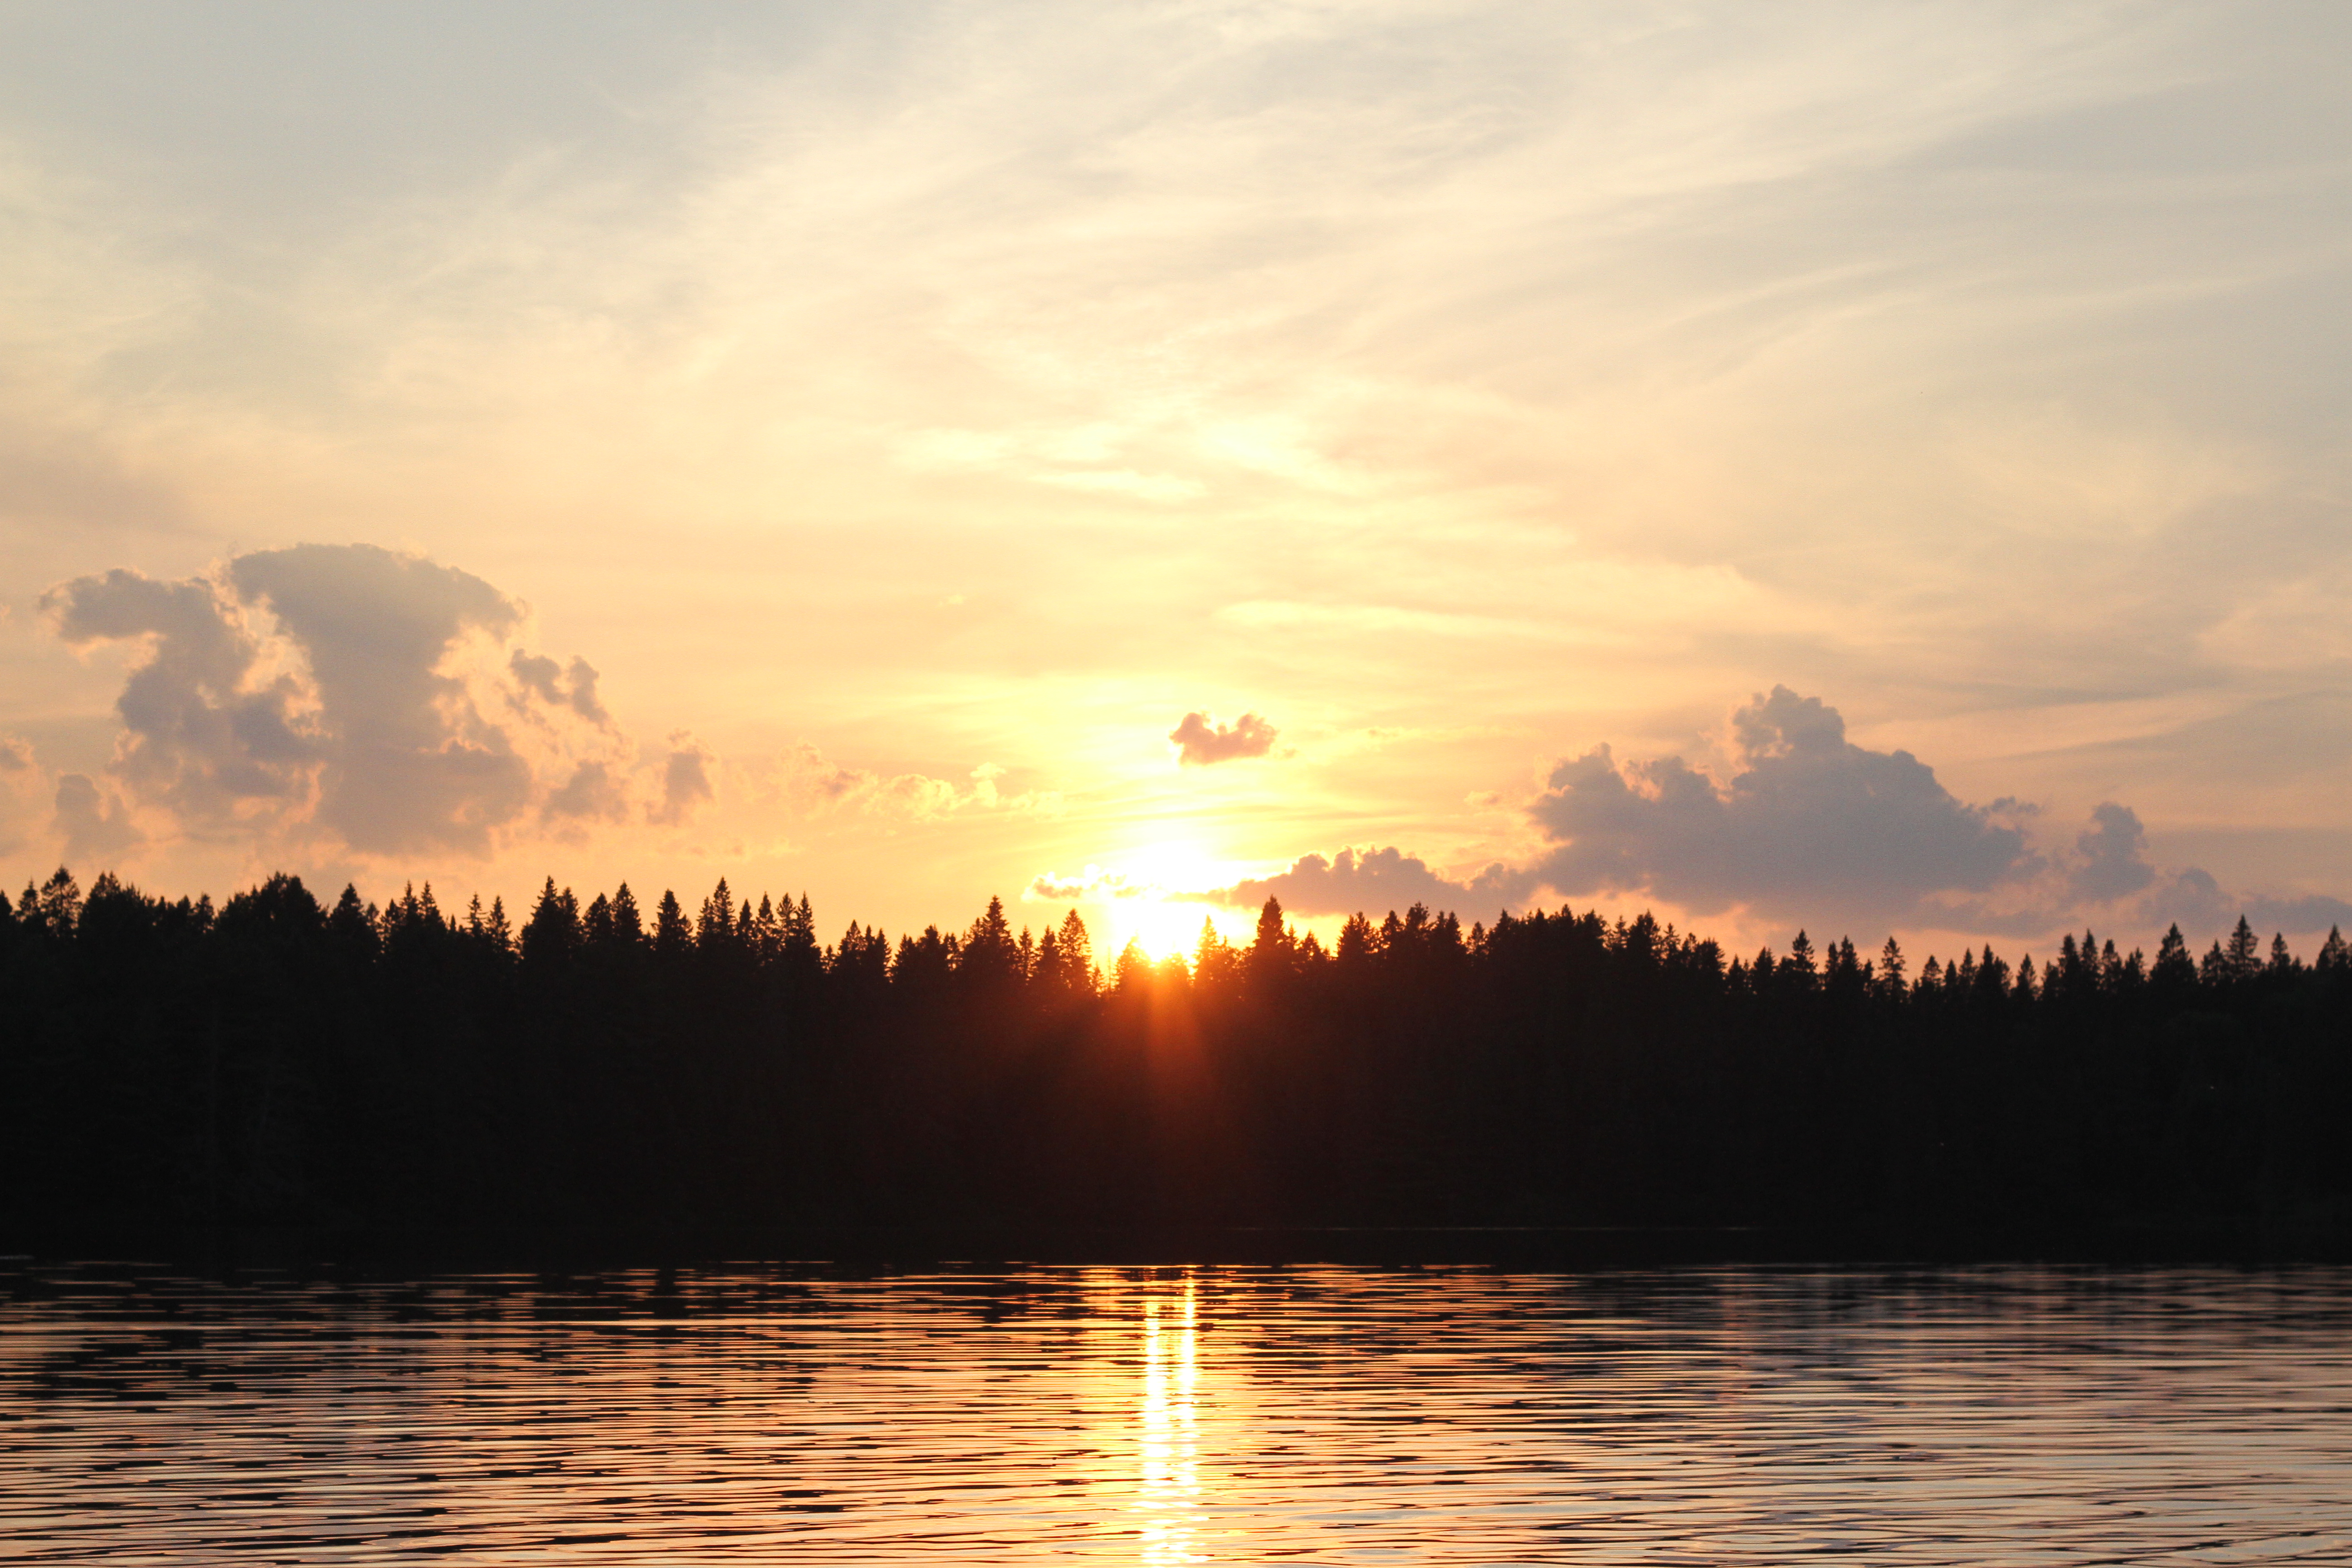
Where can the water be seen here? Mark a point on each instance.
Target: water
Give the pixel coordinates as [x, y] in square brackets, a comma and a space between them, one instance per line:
[1212, 1414]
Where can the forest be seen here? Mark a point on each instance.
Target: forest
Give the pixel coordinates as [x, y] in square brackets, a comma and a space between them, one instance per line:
[176, 1076]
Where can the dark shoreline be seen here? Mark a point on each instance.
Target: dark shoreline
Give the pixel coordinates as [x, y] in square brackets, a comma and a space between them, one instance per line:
[1539, 1248]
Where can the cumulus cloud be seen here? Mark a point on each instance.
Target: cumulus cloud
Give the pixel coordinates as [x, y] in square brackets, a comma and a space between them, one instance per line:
[1808, 828]
[1201, 742]
[93, 827]
[2194, 900]
[320, 691]
[2112, 859]
[205, 730]
[415, 764]
[1372, 881]
[16, 756]
[1808, 824]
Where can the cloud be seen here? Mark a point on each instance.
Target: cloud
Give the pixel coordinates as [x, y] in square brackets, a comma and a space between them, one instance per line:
[1809, 825]
[2113, 863]
[1094, 884]
[593, 794]
[22, 795]
[2194, 900]
[560, 686]
[686, 782]
[1371, 880]
[1200, 742]
[811, 781]
[414, 765]
[94, 828]
[325, 690]
[205, 732]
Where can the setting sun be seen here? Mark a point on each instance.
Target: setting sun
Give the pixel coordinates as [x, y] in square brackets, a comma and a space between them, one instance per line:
[1154, 907]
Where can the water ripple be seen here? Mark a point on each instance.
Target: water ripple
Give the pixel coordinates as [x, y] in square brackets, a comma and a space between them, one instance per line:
[1693, 1417]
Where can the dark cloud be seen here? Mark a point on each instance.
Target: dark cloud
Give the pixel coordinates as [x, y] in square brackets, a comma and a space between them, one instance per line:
[16, 756]
[1372, 881]
[199, 736]
[94, 828]
[1199, 742]
[1810, 825]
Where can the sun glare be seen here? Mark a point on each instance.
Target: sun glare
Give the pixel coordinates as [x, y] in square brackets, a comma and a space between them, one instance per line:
[1156, 918]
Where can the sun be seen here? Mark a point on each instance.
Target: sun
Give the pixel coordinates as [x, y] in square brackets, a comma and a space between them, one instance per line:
[1163, 928]
[1156, 917]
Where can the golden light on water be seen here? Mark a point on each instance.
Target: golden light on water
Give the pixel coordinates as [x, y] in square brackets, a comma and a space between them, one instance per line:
[1168, 1479]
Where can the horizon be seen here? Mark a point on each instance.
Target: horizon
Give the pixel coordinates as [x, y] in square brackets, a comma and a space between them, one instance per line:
[503, 922]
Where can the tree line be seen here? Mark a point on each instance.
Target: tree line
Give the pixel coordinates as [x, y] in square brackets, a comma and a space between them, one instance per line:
[171, 1070]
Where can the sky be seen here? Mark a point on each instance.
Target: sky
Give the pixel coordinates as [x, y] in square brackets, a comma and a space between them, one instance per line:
[1867, 469]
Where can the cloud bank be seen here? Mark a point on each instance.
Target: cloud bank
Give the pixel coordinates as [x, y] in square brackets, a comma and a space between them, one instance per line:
[1805, 827]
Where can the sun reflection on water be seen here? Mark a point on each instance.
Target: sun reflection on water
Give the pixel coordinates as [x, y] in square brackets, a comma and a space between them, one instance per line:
[1168, 1490]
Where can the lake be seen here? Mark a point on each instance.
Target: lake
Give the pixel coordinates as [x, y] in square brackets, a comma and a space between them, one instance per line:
[1317, 1415]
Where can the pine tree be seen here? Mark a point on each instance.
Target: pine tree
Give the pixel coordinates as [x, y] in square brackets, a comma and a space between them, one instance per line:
[672, 936]
[1797, 968]
[59, 901]
[1078, 955]
[1273, 950]
[715, 929]
[551, 934]
[989, 956]
[2243, 956]
[1214, 962]
[501, 934]
[628, 926]
[2175, 970]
